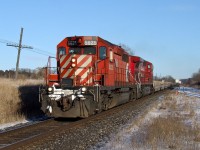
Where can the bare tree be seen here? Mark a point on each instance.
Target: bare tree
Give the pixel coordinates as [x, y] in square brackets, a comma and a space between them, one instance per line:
[169, 79]
[196, 77]
[127, 49]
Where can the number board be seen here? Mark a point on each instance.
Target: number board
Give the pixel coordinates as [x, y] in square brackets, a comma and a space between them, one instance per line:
[90, 42]
[72, 43]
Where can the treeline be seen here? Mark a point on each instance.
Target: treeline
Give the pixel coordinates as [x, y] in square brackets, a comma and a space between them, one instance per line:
[166, 78]
[23, 73]
[196, 77]
[194, 81]
[38, 73]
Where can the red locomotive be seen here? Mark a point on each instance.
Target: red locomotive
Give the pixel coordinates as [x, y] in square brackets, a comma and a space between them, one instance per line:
[93, 75]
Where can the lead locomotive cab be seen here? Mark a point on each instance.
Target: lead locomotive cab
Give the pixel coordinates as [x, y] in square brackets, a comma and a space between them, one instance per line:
[92, 75]
[81, 71]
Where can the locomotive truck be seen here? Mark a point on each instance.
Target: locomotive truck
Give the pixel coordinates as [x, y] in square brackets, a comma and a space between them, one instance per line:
[93, 75]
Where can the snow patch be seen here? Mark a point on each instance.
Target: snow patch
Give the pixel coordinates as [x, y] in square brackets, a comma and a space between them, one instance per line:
[8, 125]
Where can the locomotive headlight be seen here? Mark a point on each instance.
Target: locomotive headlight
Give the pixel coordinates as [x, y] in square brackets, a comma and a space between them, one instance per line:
[73, 64]
[83, 89]
[73, 60]
[50, 90]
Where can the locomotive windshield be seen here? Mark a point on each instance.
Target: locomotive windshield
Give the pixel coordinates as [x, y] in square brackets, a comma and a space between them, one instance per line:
[102, 51]
[62, 51]
[89, 50]
[75, 50]
[82, 50]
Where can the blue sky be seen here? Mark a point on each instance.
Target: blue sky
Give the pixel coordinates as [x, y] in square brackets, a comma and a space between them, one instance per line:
[165, 32]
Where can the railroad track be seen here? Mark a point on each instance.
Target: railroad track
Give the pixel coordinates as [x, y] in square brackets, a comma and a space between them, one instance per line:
[27, 132]
[39, 134]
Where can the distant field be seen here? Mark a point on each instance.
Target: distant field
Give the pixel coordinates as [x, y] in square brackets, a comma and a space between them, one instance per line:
[18, 99]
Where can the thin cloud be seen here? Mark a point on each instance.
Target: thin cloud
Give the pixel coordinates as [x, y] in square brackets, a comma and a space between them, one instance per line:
[183, 8]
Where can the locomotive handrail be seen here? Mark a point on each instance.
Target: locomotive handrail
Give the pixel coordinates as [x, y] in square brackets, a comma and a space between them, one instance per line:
[48, 70]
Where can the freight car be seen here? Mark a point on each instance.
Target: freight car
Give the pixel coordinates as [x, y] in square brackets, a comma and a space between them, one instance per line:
[161, 85]
[93, 75]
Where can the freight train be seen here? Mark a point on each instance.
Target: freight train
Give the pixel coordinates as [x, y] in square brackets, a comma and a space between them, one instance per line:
[93, 75]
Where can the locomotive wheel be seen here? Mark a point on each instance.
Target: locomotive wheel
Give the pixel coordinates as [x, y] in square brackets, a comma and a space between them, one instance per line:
[105, 102]
[105, 105]
[131, 96]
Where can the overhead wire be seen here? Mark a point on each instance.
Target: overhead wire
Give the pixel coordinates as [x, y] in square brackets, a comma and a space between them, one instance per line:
[4, 41]
[33, 49]
[37, 49]
[38, 52]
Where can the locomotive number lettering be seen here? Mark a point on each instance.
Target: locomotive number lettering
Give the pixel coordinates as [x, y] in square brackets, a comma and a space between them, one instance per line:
[90, 42]
[72, 43]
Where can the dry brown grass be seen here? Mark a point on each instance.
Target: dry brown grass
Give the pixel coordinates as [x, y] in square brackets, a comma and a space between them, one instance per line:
[11, 98]
[167, 133]
[166, 130]
[172, 130]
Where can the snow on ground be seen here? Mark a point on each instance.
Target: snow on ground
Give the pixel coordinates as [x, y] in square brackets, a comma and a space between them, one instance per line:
[188, 91]
[9, 125]
[186, 103]
[21, 123]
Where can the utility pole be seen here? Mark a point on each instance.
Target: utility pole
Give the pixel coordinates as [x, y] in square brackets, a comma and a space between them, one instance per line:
[20, 46]
[18, 56]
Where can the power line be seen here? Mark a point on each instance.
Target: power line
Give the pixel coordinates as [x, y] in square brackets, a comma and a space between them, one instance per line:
[17, 45]
[37, 49]
[34, 49]
[4, 41]
[20, 46]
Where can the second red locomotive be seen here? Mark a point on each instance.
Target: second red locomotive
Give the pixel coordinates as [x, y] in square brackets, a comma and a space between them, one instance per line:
[93, 75]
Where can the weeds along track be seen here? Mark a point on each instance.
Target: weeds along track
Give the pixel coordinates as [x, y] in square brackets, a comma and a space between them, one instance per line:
[42, 135]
